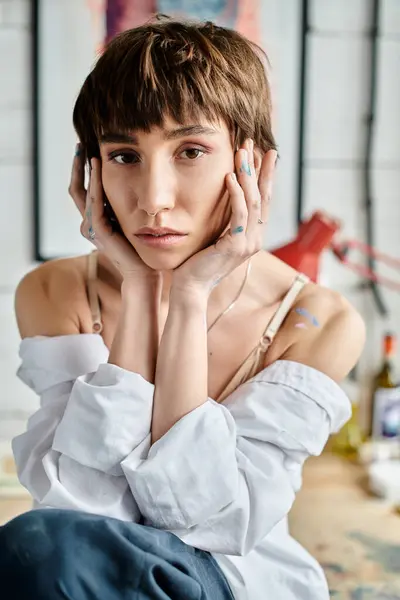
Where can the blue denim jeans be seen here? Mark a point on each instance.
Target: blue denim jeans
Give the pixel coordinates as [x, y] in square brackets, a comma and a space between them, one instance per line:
[52, 554]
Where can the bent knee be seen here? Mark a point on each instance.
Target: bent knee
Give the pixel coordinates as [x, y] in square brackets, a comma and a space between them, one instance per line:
[31, 537]
[36, 535]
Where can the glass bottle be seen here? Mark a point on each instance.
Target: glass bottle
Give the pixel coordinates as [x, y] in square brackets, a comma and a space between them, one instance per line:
[379, 426]
[348, 440]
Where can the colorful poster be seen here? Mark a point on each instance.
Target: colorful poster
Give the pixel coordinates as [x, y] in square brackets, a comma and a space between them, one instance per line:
[242, 15]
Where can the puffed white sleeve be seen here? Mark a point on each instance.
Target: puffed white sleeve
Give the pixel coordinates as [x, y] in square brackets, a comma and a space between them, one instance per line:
[92, 415]
[225, 474]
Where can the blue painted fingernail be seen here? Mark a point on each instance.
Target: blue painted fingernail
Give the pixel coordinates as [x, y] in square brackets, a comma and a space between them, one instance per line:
[245, 168]
[238, 230]
[77, 150]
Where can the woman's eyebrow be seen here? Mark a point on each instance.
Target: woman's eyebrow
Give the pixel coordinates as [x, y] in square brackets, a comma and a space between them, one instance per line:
[118, 138]
[173, 134]
[169, 134]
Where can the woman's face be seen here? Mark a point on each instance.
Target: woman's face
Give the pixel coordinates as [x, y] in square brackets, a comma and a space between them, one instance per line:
[177, 172]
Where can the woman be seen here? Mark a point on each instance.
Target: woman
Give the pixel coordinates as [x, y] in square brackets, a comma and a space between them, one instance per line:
[185, 374]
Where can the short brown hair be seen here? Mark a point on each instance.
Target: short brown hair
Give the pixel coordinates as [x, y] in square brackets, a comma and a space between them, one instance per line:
[178, 69]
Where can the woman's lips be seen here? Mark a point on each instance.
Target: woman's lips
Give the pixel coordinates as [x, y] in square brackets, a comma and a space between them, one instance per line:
[159, 241]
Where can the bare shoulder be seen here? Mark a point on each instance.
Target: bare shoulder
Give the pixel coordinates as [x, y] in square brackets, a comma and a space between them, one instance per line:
[327, 332]
[50, 299]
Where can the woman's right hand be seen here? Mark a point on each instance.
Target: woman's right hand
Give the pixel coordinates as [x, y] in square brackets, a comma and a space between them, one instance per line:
[96, 226]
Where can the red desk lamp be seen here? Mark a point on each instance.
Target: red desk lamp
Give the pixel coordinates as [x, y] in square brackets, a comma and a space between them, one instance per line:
[304, 252]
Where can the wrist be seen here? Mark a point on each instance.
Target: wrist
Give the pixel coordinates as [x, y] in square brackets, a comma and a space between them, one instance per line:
[149, 281]
[188, 296]
[143, 292]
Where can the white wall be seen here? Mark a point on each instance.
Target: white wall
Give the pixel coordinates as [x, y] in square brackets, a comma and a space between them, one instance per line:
[334, 147]
[15, 200]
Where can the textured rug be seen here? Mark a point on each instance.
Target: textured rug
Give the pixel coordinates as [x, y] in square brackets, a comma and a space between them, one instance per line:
[353, 535]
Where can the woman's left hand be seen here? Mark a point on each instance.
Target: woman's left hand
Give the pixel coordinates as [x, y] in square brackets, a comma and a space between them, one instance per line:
[249, 197]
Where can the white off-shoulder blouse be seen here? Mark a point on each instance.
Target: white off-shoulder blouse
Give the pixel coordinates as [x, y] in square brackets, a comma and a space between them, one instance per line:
[223, 478]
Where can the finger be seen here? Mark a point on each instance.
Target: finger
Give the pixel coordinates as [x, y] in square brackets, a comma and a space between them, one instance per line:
[249, 145]
[239, 208]
[96, 193]
[248, 181]
[87, 229]
[77, 183]
[265, 181]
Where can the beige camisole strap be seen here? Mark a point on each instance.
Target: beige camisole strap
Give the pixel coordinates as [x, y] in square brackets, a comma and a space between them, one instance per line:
[93, 295]
[283, 310]
[255, 361]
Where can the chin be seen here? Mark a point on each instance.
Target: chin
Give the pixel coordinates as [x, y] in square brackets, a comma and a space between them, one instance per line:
[161, 260]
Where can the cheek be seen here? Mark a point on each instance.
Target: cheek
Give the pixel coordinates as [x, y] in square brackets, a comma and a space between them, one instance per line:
[109, 181]
[115, 186]
[206, 188]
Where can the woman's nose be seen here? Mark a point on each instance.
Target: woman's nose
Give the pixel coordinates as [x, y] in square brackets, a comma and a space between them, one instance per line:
[156, 194]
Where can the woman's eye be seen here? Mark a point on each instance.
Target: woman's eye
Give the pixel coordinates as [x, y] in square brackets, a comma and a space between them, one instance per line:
[124, 158]
[193, 153]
